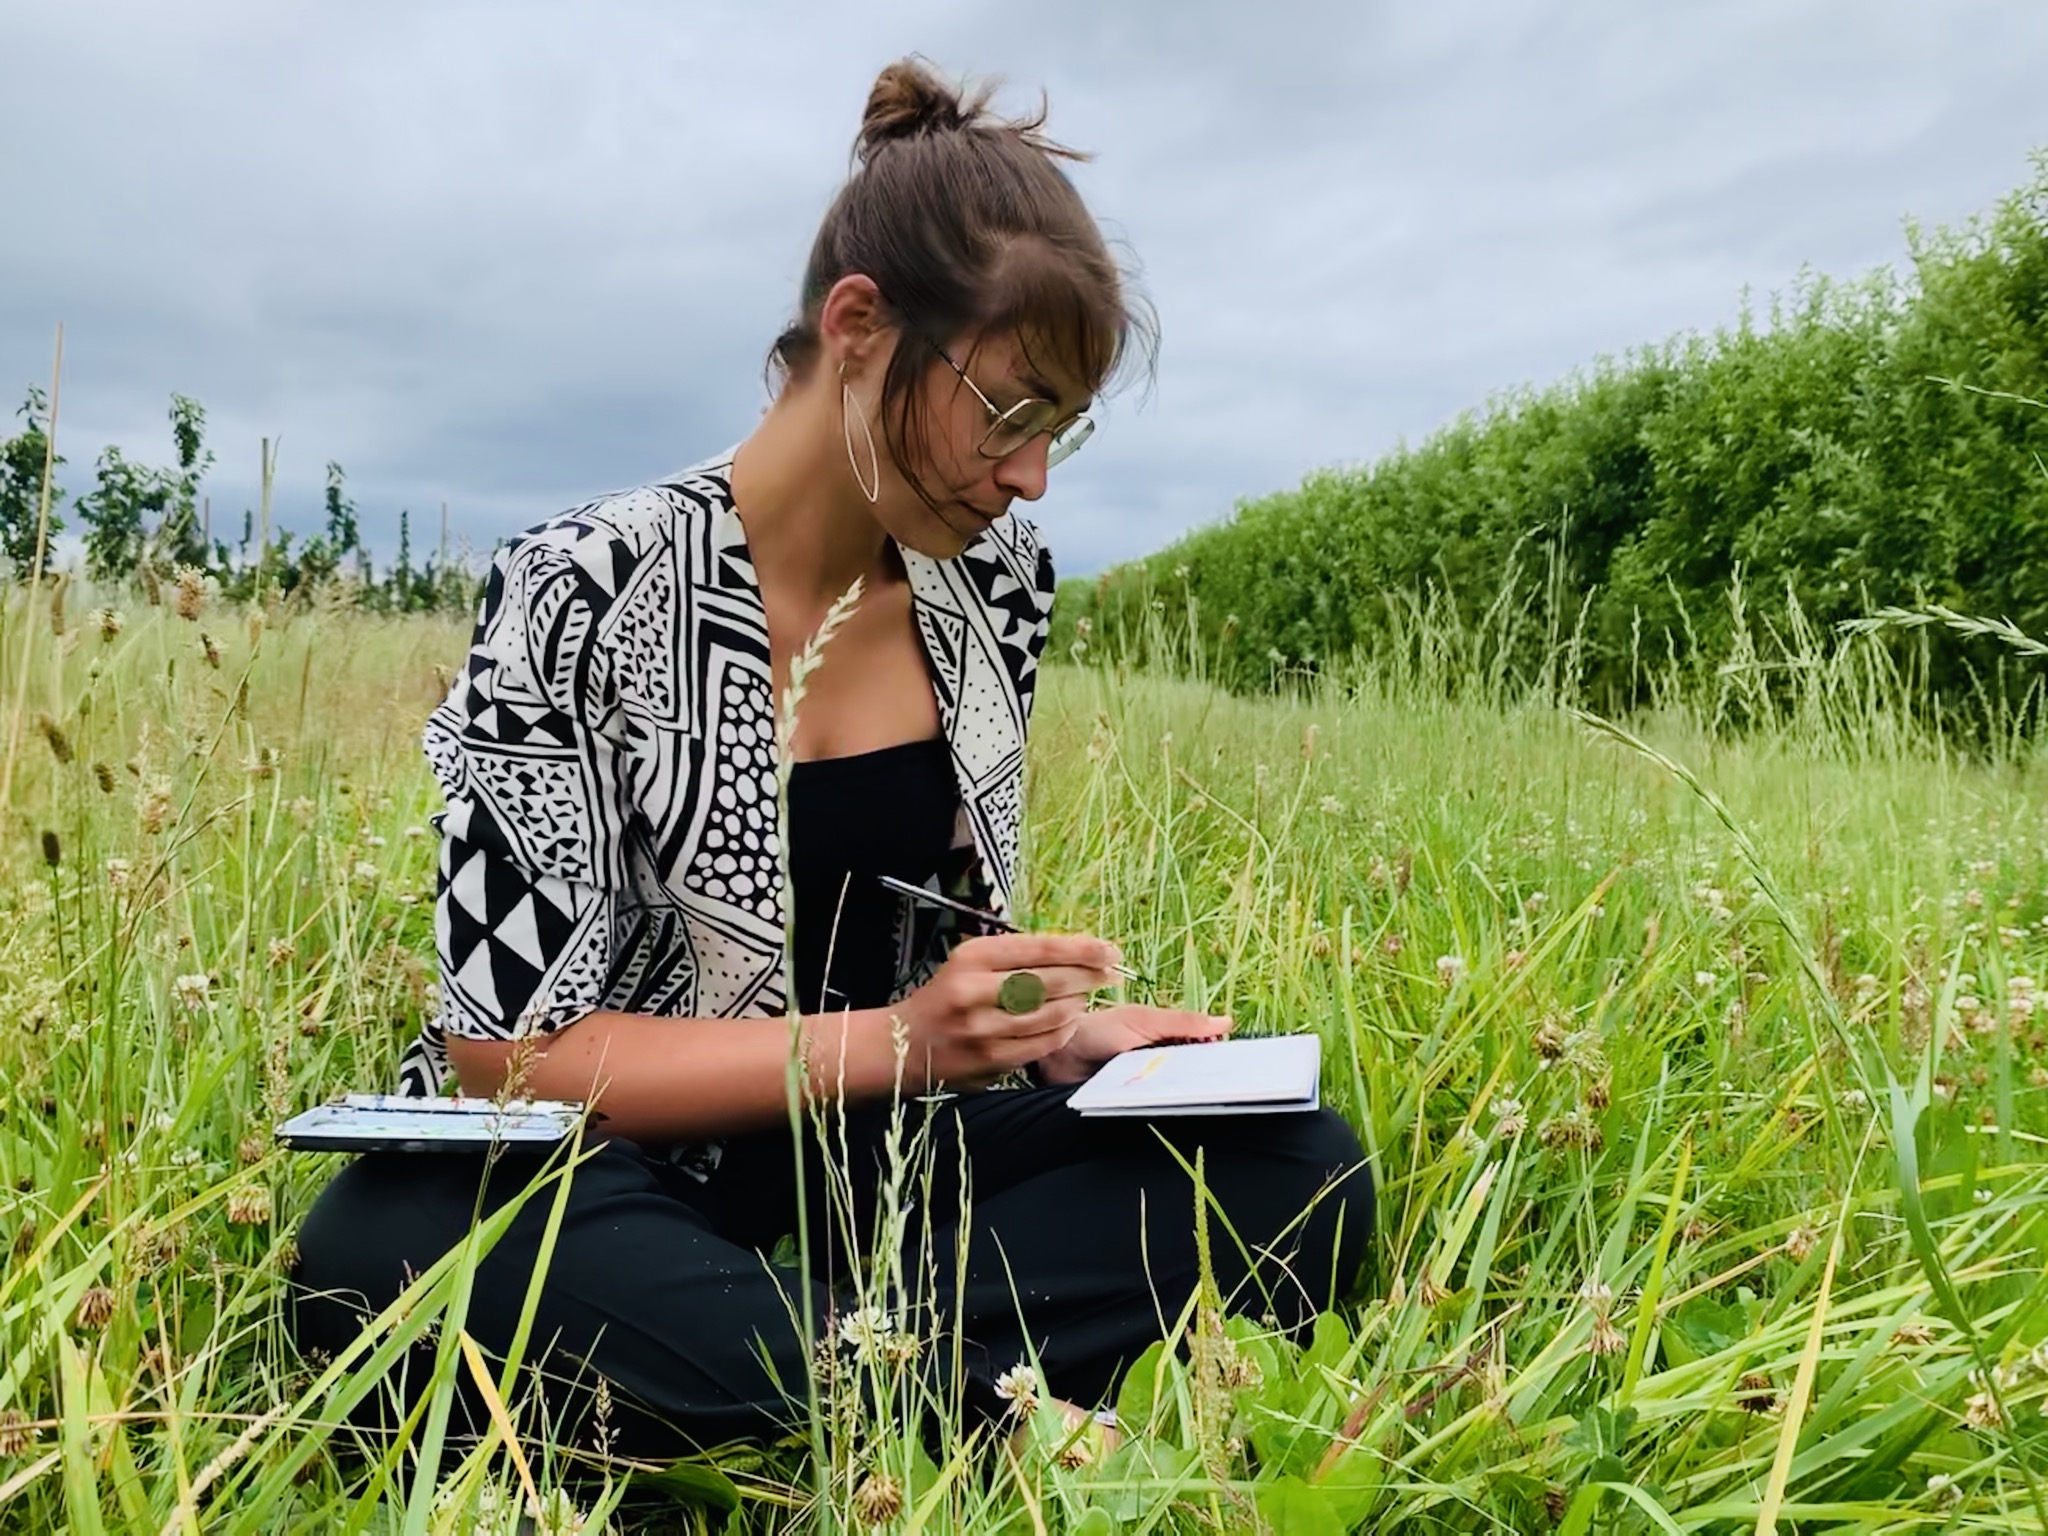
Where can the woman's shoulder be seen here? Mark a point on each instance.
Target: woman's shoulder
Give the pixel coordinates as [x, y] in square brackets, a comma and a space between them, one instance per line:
[611, 534]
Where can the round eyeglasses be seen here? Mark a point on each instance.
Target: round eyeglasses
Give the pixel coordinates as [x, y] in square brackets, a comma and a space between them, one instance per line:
[1010, 430]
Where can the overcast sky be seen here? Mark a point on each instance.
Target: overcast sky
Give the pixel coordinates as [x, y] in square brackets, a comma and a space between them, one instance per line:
[511, 255]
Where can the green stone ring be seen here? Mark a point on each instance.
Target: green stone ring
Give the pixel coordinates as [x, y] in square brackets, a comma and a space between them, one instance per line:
[1021, 992]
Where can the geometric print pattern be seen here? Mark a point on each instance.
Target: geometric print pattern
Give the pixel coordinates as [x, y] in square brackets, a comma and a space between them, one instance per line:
[607, 757]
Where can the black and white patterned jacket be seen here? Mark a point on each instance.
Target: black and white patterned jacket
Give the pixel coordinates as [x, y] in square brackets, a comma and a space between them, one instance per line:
[608, 757]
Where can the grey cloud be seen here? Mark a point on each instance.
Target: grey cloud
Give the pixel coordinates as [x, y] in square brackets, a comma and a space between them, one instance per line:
[512, 255]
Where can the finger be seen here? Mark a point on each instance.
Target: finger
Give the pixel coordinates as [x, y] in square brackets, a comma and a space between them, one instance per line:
[1033, 951]
[1179, 1027]
[1050, 1017]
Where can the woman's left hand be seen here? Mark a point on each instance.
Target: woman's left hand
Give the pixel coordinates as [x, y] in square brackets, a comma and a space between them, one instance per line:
[1107, 1032]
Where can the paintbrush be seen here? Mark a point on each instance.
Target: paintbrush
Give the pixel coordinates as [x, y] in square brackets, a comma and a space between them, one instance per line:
[988, 919]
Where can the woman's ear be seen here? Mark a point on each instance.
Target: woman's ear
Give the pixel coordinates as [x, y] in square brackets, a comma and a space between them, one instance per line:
[853, 325]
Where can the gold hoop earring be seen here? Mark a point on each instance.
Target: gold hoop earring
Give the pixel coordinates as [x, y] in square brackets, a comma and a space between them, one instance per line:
[848, 408]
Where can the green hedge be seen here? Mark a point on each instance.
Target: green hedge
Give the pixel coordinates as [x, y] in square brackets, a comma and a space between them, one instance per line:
[1874, 442]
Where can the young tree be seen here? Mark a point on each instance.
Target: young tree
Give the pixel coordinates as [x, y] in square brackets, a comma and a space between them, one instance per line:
[21, 486]
[114, 511]
[178, 539]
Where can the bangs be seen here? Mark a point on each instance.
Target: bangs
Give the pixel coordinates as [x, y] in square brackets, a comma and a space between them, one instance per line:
[1065, 305]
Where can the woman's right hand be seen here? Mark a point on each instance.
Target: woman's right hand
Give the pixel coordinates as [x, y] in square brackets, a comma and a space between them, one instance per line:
[960, 1037]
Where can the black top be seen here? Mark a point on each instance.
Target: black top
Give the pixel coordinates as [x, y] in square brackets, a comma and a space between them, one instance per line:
[887, 812]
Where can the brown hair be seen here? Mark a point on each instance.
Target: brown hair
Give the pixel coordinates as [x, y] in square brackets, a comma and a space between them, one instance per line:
[968, 227]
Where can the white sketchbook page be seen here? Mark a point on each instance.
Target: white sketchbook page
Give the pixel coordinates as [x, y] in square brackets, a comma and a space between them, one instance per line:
[1280, 1070]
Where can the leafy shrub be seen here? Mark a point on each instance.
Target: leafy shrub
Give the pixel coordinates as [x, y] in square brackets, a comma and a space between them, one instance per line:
[1875, 442]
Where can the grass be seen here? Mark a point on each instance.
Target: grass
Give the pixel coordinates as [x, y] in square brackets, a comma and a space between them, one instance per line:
[1700, 1070]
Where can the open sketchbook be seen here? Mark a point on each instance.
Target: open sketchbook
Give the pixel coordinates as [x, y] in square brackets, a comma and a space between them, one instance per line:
[1218, 1077]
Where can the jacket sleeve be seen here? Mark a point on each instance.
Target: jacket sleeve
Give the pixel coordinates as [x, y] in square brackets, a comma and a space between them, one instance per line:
[528, 748]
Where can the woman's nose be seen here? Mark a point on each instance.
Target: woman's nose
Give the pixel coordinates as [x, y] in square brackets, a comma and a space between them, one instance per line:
[1023, 472]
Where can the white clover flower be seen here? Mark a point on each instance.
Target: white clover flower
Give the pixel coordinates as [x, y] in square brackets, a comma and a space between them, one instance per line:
[871, 1334]
[1705, 981]
[1018, 1386]
[1449, 968]
[191, 990]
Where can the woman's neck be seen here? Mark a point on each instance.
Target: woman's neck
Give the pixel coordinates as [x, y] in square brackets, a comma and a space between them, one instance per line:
[809, 530]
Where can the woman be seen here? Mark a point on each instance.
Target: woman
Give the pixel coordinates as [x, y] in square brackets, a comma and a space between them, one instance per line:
[611, 897]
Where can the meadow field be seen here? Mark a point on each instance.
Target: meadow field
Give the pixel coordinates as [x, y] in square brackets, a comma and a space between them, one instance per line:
[1702, 1072]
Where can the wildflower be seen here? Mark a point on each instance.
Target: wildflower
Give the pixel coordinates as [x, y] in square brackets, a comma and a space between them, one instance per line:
[1981, 1411]
[250, 1149]
[869, 1333]
[364, 873]
[1606, 1338]
[1705, 981]
[879, 1498]
[1599, 1094]
[1913, 1335]
[191, 990]
[95, 1308]
[210, 648]
[15, 1434]
[191, 599]
[1319, 945]
[1756, 1393]
[1449, 968]
[1376, 872]
[412, 833]
[1513, 959]
[1549, 1039]
[1084, 627]
[1393, 943]
[1572, 1129]
[1798, 1244]
[1698, 1230]
[249, 1206]
[1509, 1117]
[1018, 1386]
[262, 763]
[1330, 805]
[281, 952]
[301, 808]
[1536, 902]
[1941, 1488]
[108, 621]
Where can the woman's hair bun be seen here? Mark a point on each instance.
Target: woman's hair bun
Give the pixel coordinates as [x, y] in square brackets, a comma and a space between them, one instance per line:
[910, 99]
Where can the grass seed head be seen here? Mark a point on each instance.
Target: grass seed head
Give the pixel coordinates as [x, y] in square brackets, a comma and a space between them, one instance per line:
[190, 600]
[53, 733]
[16, 1433]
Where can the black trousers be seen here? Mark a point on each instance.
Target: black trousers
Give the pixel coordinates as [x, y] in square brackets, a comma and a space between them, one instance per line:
[1080, 1234]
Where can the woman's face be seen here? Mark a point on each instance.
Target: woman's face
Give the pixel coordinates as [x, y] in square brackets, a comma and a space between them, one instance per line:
[971, 489]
